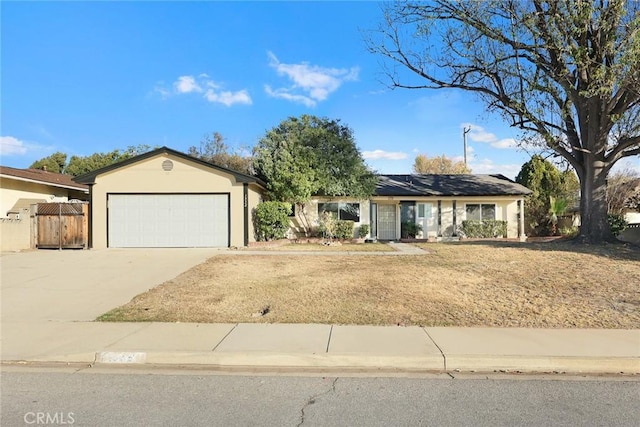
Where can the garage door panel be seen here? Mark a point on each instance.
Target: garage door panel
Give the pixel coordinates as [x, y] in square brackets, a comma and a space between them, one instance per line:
[168, 220]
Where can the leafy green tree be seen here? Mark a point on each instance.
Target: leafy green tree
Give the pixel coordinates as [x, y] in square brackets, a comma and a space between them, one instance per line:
[79, 165]
[213, 149]
[53, 163]
[564, 71]
[307, 156]
[439, 165]
[547, 183]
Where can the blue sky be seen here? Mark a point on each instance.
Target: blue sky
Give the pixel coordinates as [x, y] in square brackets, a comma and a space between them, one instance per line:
[85, 77]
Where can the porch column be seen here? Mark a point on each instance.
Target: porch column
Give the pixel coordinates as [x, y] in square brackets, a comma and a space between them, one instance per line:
[521, 221]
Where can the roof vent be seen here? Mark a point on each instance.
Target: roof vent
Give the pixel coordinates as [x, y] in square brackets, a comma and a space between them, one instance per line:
[167, 165]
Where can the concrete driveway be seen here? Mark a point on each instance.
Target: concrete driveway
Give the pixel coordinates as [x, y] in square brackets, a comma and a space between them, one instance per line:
[76, 285]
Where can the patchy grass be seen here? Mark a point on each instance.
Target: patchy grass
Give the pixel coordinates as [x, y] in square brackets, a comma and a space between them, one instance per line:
[552, 285]
[333, 247]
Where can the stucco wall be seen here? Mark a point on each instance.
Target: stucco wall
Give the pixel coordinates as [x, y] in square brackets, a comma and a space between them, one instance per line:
[12, 190]
[255, 198]
[506, 210]
[15, 234]
[310, 215]
[148, 176]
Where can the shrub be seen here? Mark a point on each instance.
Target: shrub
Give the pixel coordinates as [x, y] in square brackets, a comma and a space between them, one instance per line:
[410, 229]
[569, 231]
[363, 231]
[485, 229]
[344, 230]
[271, 220]
[617, 223]
[328, 224]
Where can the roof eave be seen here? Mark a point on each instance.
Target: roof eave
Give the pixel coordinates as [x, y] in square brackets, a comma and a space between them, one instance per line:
[90, 177]
[51, 184]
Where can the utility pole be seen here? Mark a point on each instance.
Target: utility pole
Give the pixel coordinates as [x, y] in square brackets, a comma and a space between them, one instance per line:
[465, 131]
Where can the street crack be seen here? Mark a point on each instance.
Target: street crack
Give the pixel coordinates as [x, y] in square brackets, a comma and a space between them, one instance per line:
[313, 400]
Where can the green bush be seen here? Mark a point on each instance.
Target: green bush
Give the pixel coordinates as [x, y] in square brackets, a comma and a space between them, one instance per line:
[569, 231]
[271, 220]
[617, 223]
[410, 229]
[344, 230]
[363, 231]
[485, 229]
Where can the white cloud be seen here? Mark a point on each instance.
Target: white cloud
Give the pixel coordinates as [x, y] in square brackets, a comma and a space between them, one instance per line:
[186, 84]
[210, 90]
[10, 146]
[283, 93]
[487, 166]
[311, 83]
[381, 154]
[479, 134]
[162, 91]
[228, 98]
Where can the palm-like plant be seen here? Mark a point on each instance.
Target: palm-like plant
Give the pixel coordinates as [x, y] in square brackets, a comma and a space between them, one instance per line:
[557, 207]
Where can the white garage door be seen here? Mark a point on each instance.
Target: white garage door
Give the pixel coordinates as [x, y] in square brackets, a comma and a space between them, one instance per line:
[168, 220]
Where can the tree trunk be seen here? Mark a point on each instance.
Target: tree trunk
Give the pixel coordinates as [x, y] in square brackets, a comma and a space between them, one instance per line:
[594, 227]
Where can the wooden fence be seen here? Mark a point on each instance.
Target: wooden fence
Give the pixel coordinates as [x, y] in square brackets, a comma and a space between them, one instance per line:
[60, 226]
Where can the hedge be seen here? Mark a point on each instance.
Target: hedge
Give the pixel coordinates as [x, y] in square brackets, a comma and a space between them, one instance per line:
[484, 229]
[344, 230]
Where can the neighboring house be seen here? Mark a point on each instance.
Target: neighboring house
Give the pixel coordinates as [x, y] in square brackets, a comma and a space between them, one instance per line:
[439, 203]
[21, 188]
[165, 198]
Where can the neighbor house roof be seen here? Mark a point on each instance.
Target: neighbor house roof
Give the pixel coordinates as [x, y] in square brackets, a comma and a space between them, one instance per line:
[42, 177]
[89, 178]
[448, 185]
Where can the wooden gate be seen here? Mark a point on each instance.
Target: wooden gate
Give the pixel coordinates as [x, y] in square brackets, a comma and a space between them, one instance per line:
[61, 225]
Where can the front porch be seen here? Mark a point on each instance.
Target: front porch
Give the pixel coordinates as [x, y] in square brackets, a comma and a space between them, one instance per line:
[441, 219]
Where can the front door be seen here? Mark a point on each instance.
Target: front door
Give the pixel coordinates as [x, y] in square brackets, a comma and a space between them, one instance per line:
[425, 218]
[386, 222]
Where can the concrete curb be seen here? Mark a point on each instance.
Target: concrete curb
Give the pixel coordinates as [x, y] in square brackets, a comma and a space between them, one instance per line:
[362, 363]
[569, 364]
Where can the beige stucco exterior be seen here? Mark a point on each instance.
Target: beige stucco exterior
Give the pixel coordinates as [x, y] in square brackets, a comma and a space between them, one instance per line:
[506, 210]
[147, 176]
[15, 224]
[309, 216]
[14, 189]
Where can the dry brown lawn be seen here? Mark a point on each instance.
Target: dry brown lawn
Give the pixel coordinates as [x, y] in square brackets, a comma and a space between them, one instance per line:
[333, 247]
[552, 285]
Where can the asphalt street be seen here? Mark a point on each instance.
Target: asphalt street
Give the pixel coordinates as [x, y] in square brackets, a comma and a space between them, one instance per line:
[192, 398]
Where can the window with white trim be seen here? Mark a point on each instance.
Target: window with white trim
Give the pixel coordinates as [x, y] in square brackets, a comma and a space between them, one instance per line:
[480, 212]
[342, 211]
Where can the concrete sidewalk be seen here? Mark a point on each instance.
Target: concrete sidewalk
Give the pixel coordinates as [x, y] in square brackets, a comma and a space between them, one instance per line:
[331, 347]
[49, 299]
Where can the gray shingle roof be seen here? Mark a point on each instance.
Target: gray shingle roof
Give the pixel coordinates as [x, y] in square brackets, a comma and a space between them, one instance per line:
[448, 185]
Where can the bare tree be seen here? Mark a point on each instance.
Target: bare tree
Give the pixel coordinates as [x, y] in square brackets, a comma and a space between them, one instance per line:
[623, 191]
[214, 150]
[439, 165]
[565, 71]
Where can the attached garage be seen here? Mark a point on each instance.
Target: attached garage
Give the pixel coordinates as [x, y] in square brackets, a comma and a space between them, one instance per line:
[168, 220]
[165, 198]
